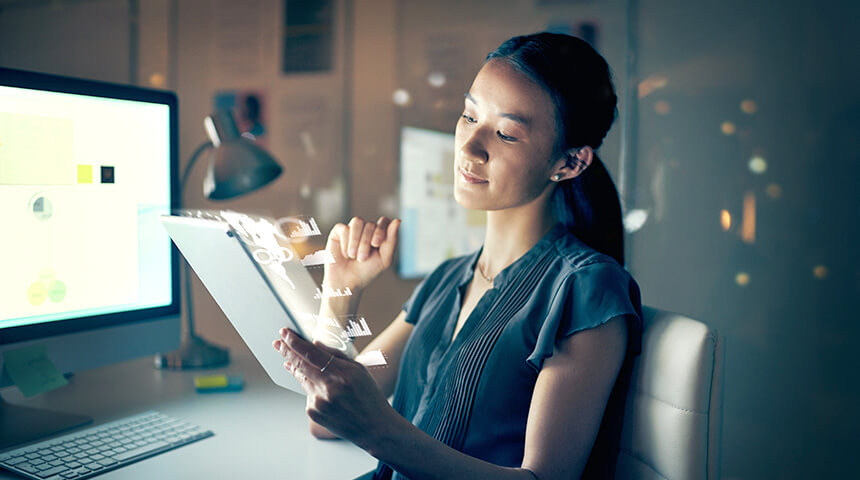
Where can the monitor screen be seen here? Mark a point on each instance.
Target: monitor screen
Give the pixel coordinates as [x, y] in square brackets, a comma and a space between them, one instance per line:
[435, 227]
[83, 181]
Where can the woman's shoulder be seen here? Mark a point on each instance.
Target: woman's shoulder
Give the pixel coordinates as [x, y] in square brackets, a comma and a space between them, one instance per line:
[576, 255]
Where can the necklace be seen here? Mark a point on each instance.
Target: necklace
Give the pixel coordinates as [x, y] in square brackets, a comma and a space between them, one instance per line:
[481, 271]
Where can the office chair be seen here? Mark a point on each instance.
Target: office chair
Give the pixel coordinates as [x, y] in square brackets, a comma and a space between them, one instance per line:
[673, 418]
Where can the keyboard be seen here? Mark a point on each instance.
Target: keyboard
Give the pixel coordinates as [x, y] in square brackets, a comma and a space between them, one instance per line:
[99, 449]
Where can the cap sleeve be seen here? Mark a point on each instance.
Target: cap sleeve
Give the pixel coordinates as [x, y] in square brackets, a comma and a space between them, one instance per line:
[590, 297]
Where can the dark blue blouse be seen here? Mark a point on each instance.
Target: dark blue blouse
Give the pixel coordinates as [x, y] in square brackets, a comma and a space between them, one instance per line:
[474, 393]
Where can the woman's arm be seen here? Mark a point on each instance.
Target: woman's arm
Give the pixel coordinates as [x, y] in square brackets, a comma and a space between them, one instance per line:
[567, 405]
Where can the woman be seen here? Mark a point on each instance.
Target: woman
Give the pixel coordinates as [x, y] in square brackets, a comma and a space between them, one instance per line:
[505, 359]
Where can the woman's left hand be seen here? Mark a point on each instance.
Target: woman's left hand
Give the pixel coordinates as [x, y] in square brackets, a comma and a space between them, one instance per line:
[341, 394]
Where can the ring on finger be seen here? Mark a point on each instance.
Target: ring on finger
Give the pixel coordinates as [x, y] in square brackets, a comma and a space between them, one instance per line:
[327, 363]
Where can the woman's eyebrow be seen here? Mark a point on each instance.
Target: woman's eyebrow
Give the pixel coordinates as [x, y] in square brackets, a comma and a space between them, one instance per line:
[512, 116]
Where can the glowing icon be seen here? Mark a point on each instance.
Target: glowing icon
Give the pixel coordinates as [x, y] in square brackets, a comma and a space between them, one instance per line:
[355, 330]
[373, 358]
[41, 207]
[305, 229]
[320, 257]
[274, 259]
[332, 339]
[327, 292]
[37, 293]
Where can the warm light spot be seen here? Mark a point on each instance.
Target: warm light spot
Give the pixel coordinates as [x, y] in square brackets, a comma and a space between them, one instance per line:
[758, 164]
[725, 220]
[774, 190]
[748, 106]
[156, 80]
[820, 272]
[401, 97]
[436, 79]
[728, 128]
[654, 82]
[742, 279]
[662, 107]
[748, 219]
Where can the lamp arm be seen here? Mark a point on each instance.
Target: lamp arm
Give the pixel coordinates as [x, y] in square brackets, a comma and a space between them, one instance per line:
[194, 156]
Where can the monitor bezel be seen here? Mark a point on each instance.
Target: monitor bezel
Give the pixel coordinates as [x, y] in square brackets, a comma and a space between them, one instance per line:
[93, 88]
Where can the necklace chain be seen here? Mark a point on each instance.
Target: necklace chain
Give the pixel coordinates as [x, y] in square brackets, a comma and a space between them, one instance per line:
[481, 271]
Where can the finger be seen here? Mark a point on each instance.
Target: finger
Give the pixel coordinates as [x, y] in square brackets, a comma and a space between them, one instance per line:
[298, 368]
[356, 227]
[364, 243]
[379, 234]
[338, 239]
[306, 350]
[386, 250]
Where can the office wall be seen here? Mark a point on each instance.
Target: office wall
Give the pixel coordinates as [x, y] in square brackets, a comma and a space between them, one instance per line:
[747, 164]
[767, 258]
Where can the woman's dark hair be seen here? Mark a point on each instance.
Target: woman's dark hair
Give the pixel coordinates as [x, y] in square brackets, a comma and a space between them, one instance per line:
[579, 83]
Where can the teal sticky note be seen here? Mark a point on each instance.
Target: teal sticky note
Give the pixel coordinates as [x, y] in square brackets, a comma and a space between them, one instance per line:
[32, 371]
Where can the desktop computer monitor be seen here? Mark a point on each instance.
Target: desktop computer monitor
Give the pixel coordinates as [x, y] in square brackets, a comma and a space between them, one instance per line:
[87, 273]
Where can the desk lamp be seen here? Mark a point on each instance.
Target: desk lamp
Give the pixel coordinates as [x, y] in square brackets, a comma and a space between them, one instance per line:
[237, 166]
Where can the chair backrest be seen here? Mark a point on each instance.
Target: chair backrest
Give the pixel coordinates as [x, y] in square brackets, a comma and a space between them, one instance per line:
[672, 423]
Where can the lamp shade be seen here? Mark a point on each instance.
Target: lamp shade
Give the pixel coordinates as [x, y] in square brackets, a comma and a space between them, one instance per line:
[237, 165]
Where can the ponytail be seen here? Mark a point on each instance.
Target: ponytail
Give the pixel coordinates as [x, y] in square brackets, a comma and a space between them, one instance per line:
[588, 206]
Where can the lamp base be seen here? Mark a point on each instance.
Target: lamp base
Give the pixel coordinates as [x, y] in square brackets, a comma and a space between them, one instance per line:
[193, 353]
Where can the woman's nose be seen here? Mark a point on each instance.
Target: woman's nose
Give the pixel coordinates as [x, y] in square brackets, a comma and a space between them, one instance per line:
[473, 151]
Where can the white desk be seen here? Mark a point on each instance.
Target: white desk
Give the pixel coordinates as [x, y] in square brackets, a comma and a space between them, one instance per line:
[260, 432]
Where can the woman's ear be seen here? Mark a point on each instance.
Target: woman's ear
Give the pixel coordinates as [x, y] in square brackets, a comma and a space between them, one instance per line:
[575, 161]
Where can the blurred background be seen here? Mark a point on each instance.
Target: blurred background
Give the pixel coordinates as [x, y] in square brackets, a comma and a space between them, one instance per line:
[735, 153]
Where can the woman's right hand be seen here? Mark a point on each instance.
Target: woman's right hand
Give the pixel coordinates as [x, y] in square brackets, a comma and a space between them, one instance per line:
[361, 251]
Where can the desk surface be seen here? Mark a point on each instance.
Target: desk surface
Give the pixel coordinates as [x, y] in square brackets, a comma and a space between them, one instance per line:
[259, 431]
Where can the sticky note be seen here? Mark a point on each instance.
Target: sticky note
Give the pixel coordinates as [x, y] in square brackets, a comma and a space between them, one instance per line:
[85, 174]
[218, 383]
[210, 381]
[32, 371]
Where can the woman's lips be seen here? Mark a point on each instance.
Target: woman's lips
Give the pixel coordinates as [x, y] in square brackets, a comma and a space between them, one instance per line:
[469, 178]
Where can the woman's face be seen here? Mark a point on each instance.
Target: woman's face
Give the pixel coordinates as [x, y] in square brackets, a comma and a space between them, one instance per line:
[504, 141]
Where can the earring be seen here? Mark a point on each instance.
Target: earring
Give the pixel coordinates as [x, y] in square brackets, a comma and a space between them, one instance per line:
[556, 177]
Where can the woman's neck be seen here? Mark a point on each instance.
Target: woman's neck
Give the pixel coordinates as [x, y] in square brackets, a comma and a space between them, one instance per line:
[511, 233]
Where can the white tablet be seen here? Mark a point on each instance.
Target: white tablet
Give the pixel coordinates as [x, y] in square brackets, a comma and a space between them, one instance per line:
[257, 279]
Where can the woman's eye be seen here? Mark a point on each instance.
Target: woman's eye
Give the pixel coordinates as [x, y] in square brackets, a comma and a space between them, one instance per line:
[506, 137]
[468, 118]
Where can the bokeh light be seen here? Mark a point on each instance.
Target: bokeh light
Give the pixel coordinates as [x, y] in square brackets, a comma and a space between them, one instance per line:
[436, 79]
[401, 97]
[635, 219]
[725, 220]
[757, 164]
[728, 128]
[156, 80]
[749, 107]
[774, 190]
[748, 223]
[662, 107]
[742, 279]
[820, 272]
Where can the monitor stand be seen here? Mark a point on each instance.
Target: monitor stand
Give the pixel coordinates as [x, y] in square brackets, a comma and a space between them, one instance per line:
[21, 425]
